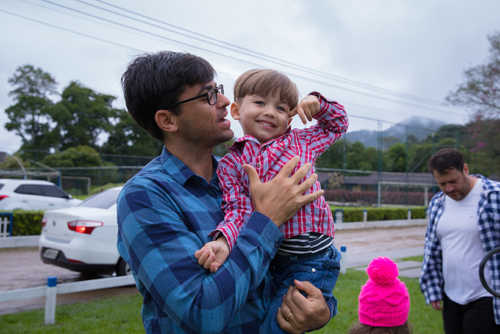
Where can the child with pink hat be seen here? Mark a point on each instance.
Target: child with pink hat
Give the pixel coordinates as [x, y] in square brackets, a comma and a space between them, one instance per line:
[384, 302]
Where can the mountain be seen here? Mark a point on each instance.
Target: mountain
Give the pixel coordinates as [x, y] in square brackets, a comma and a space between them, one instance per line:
[420, 127]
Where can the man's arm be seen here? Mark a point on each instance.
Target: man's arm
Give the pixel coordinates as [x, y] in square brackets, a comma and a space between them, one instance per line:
[159, 246]
[431, 279]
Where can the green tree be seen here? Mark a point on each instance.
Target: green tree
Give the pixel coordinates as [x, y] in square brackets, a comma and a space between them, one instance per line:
[396, 157]
[82, 116]
[79, 156]
[128, 138]
[333, 157]
[28, 116]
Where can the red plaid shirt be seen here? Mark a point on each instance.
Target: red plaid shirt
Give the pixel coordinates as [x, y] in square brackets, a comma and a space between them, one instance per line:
[268, 158]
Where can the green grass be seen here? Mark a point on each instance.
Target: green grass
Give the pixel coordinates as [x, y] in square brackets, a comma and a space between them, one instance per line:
[121, 314]
[418, 258]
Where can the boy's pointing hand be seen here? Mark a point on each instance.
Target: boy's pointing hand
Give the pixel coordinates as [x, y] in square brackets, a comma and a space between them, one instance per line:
[307, 108]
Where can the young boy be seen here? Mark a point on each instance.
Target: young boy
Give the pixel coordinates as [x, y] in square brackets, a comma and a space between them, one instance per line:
[265, 102]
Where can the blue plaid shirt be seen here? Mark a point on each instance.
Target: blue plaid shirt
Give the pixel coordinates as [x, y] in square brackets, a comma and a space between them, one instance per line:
[165, 214]
[431, 279]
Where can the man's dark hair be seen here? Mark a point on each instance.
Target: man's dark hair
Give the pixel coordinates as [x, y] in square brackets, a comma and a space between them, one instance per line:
[445, 159]
[158, 79]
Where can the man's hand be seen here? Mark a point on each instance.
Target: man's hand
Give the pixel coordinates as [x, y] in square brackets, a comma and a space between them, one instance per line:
[307, 108]
[298, 314]
[213, 254]
[436, 305]
[280, 198]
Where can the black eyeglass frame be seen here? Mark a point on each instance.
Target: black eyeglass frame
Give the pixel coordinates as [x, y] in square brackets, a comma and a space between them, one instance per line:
[211, 94]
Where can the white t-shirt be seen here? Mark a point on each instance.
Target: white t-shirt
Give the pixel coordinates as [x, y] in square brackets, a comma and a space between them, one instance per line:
[458, 232]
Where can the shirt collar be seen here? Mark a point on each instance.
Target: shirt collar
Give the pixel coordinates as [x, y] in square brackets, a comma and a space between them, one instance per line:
[178, 170]
[248, 138]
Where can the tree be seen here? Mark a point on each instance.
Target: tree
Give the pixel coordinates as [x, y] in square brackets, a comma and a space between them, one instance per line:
[29, 116]
[396, 157]
[128, 138]
[79, 156]
[82, 116]
[481, 89]
[333, 157]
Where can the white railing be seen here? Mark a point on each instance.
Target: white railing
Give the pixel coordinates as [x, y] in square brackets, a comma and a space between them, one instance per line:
[51, 291]
[5, 221]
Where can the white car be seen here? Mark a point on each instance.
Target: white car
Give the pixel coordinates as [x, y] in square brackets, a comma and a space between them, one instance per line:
[33, 195]
[83, 238]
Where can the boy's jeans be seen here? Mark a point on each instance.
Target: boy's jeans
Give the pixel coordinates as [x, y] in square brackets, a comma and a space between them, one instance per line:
[322, 270]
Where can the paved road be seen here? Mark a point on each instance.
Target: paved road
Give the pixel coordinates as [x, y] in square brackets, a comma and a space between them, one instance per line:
[396, 243]
[22, 268]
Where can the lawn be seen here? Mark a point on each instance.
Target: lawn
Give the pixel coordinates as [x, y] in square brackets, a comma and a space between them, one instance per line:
[122, 314]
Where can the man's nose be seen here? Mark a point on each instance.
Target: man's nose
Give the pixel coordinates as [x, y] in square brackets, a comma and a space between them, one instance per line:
[222, 101]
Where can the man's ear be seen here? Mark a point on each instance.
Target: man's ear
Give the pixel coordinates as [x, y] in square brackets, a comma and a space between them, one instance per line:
[466, 169]
[235, 110]
[166, 120]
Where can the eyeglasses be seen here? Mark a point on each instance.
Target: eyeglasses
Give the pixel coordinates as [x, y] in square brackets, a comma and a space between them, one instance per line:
[211, 96]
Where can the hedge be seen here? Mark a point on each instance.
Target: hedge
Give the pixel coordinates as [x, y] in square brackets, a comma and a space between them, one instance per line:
[26, 222]
[356, 214]
[29, 222]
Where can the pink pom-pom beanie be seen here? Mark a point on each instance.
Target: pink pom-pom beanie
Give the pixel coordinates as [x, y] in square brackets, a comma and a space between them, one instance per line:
[384, 299]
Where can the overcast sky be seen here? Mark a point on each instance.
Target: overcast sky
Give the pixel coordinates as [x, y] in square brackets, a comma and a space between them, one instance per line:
[382, 59]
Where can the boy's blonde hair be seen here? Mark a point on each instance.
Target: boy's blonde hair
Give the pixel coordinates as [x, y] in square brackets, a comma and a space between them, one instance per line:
[265, 82]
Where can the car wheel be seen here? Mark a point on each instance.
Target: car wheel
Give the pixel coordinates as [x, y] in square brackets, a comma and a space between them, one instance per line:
[122, 268]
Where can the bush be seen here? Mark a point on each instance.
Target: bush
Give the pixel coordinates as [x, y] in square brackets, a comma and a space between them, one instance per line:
[373, 214]
[27, 222]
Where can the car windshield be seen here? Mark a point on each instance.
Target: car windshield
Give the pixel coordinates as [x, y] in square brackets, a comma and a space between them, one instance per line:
[102, 200]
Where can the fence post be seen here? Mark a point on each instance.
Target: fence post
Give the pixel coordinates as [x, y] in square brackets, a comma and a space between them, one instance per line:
[339, 216]
[365, 215]
[50, 300]
[3, 227]
[6, 219]
[409, 213]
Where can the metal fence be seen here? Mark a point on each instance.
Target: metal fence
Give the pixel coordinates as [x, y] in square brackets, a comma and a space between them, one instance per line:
[371, 188]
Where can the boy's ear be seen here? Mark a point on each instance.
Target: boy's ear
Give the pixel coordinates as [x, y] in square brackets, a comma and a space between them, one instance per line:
[166, 120]
[235, 110]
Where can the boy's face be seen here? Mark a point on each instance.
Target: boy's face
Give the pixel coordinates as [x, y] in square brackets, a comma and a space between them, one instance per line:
[264, 118]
